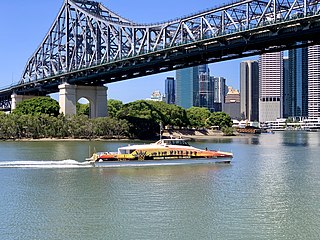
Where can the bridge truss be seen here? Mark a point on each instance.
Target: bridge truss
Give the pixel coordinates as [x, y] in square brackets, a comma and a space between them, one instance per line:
[90, 45]
[5, 102]
[86, 34]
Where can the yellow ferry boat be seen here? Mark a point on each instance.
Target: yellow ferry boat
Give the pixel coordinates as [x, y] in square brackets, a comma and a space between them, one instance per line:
[164, 151]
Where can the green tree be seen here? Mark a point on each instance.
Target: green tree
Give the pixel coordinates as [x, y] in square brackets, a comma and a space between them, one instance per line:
[8, 128]
[198, 116]
[83, 109]
[114, 106]
[143, 118]
[171, 114]
[80, 126]
[220, 119]
[228, 131]
[142, 109]
[106, 127]
[61, 126]
[37, 106]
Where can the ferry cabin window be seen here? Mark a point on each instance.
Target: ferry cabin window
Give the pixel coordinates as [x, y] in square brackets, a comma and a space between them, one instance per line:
[178, 142]
[126, 151]
[184, 143]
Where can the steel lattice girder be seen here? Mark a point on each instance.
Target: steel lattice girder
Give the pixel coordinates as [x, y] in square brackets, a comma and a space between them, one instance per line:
[86, 34]
[5, 103]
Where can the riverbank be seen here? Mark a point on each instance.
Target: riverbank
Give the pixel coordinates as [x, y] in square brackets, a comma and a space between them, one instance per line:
[188, 134]
[194, 134]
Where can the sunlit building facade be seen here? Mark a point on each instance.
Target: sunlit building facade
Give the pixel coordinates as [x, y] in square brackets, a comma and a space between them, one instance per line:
[232, 103]
[314, 82]
[249, 90]
[271, 86]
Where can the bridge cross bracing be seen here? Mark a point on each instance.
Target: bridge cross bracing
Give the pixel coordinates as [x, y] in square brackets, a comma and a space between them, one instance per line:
[88, 44]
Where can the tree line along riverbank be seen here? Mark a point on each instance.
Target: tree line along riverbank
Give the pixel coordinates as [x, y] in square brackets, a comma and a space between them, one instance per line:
[39, 118]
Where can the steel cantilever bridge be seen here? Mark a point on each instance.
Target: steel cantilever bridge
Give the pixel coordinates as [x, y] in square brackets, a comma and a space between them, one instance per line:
[88, 44]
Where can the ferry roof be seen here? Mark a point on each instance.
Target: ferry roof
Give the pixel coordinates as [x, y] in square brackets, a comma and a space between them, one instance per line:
[163, 143]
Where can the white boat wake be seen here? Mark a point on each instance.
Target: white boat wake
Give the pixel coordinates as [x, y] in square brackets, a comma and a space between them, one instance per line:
[45, 164]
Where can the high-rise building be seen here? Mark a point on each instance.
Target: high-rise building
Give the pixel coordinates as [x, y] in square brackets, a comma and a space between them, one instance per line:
[170, 90]
[314, 82]
[194, 87]
[205, 90]
[295, 85]
[219, 92]
[287, 86]
[249, 90]
[271, 86]
[187, 87]
[232, 103]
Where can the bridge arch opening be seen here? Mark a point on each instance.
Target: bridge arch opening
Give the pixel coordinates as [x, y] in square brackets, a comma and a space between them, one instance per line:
[84, 106]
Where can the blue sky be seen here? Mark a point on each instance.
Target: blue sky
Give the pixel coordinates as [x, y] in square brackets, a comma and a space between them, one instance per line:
[25, 23]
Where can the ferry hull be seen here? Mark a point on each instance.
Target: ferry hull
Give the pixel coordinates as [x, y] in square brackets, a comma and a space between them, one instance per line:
[159, 162]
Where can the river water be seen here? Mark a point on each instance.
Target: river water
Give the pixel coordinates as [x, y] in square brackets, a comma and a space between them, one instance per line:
[270, 191]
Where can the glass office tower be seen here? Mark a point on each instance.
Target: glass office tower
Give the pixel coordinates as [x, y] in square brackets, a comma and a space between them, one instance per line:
[187, 87]
[219, 92]
[296, 84]
[170, 90]
[205, 89]
[194, 87]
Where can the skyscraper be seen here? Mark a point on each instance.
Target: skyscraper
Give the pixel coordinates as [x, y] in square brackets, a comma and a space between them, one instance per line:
[295, 87]
[187, 86]
[219, 92]
[194, 87]
[314, 82]
[271, 85]
[249, 90]
[287, 86]
[170, 90]
[205, 89]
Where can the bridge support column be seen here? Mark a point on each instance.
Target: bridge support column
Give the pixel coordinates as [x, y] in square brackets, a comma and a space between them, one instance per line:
[15, 99]
[69, 95]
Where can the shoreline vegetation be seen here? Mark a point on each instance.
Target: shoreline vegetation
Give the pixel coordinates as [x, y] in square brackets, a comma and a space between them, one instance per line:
[38, 119]
[193, 135]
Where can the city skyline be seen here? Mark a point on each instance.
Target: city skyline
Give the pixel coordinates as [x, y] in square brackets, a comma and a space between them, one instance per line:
[23, 36]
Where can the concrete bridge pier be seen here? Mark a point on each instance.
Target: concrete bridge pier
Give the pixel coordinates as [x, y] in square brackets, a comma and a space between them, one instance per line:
[15, 99]
[69, 95]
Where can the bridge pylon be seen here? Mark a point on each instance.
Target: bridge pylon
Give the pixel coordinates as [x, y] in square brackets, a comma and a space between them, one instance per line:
[69, 95]
[15, 99]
